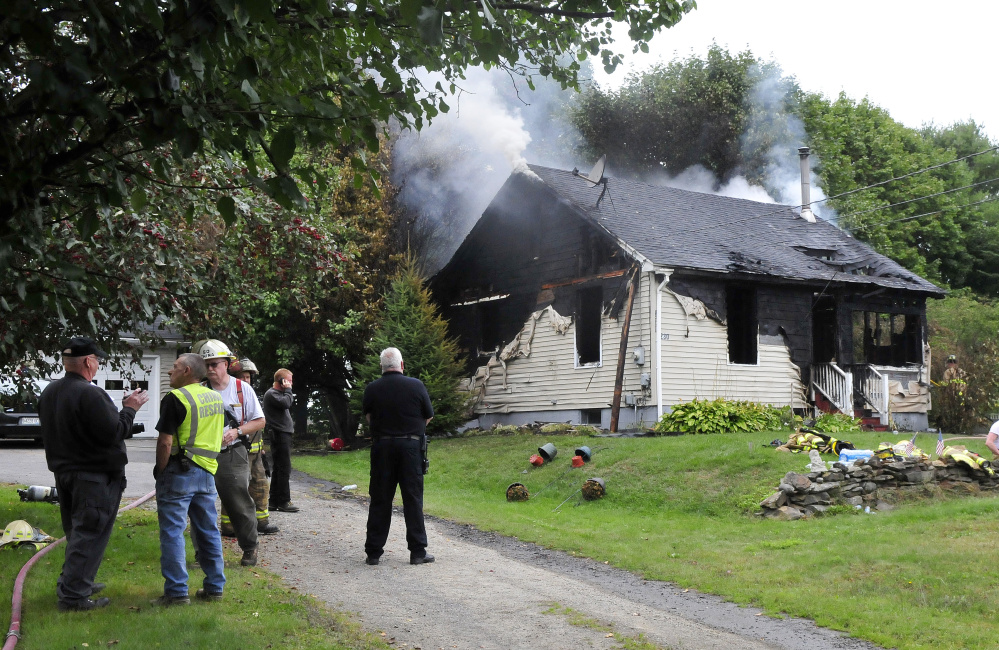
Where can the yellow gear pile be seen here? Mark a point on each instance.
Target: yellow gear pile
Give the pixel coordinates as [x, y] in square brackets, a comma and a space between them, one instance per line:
[20, 532]
[807, 439]
[968, 458]
[888, 451]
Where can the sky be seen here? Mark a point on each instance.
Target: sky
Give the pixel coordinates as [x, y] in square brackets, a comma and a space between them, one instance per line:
[924, 62]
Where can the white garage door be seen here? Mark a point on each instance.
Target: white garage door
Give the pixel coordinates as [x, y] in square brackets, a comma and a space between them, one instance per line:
[147, 378]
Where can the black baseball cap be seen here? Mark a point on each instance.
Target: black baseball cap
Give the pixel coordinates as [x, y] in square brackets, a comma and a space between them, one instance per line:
[82, 346]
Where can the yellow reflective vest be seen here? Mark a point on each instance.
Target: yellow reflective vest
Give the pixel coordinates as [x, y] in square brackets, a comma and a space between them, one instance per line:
[200, 434]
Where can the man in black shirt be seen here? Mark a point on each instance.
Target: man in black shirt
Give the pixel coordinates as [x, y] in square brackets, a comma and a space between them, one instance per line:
[277, 411]
[84, 436]
[398, 410]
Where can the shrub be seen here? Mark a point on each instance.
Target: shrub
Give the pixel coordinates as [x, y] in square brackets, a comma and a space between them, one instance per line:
[722, 416]
[836, 423]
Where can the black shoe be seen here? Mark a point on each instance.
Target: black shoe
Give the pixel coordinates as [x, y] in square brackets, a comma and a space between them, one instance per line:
[424, 559]
[371, 559]
[97, 588]
[83, 605]
[284, 507]
[227, 533]
[249, 558]
[212, 596]
[267, 529]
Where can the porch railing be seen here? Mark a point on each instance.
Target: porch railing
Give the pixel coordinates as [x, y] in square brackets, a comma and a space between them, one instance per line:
[835, 384]
[874, 388]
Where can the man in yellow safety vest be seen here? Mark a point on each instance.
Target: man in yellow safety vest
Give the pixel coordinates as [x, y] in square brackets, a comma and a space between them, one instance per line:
[190, 436]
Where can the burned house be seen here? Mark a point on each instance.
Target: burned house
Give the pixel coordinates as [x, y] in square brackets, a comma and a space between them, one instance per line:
[570, 292]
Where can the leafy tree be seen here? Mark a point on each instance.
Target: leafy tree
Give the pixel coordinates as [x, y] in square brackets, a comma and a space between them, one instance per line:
[107, 107]
[980, 227]
[709, 112]
[410, 323]
[967, 327]
[322, 340]
[860, 145]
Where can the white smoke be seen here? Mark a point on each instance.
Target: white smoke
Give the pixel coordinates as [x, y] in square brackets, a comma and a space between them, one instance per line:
[699, 179]
[449, 171]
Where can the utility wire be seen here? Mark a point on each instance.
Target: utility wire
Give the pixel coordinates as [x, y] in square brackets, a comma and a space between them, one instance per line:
[927, 214]
[928, 196]
[898, 178]
[783, 208]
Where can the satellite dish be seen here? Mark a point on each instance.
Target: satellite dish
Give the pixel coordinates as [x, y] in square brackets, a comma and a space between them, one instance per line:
[597, 173]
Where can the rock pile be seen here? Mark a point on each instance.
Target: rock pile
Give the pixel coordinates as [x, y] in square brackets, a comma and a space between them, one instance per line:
[866, 482]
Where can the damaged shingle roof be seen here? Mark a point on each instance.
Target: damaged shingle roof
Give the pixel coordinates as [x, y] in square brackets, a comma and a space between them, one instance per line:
[683, 229]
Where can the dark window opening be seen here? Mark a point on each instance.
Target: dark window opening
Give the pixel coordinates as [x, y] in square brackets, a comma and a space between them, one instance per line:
[588, 316]
[743, 325]
[824, 330]
[114, 384]
[887, 339]
[489, 335]
[591, 416]
[144, 385]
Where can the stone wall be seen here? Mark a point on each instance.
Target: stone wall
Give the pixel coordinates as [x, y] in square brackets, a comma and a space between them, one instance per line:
[870, 483]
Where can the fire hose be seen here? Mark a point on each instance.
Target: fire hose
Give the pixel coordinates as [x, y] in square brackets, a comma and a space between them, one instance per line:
[14, 633]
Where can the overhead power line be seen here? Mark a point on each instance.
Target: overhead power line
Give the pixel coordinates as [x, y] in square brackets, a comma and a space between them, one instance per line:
[782, 208]
[898, 178]
[926, 214]
[928, 196]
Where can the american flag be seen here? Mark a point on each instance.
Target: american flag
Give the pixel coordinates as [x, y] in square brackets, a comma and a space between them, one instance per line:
[940, 443]
[910, 446]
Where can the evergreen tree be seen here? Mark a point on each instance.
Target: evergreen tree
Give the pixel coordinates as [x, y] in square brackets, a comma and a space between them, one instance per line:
[410, 322]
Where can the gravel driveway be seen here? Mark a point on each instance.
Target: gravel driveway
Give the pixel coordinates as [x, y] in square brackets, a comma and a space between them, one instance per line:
[490, 591]
[484, 590]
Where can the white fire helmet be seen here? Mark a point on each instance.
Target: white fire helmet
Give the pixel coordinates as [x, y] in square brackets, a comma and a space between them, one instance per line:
[213, 349]
[248, 366]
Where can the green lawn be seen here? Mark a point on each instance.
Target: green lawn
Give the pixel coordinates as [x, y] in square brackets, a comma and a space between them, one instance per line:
[257, 611]
[678, 509]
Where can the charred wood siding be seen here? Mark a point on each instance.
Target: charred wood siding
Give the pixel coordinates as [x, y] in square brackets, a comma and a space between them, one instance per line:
[525, 240]
[548, 379]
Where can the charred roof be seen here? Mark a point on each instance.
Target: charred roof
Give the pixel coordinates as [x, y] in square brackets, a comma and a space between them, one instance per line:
[681, 229]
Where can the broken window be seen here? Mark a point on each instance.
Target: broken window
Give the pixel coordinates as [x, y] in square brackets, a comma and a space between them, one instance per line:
[823, 329]
[489, 319]
[743, 324]
[885, 339]
[588, 316]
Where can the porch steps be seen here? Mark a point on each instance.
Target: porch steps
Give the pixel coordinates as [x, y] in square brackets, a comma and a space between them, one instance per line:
[868, 422]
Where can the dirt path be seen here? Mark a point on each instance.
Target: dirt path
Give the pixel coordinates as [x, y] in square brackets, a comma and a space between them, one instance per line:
[489, 591]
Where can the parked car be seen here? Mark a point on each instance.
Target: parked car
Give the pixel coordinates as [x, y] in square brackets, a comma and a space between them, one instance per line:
[19, 419]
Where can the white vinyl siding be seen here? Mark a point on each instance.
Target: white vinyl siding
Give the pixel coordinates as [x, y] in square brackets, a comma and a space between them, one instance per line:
[548, 378]
[695, 364]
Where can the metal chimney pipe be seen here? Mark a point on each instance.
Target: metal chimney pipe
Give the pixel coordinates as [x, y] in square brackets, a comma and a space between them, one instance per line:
[806, 188]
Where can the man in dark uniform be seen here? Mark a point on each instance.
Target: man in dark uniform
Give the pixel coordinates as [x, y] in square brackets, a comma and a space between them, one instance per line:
[84, 436]
[398, 409]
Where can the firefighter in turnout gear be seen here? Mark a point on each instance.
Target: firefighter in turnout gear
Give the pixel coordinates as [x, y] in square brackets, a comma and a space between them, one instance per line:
[246, 371]
[244, 418]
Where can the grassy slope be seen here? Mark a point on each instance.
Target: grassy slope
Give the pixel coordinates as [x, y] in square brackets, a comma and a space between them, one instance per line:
[676, 509]
[258, 612]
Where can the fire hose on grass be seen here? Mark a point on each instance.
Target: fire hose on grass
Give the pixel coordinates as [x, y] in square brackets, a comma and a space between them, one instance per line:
[14, 632]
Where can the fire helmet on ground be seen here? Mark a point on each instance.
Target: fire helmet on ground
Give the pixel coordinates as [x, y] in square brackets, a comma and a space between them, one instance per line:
[213, 349]
[21, 532]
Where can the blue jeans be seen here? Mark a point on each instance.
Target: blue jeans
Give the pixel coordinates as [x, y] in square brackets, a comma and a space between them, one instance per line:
[179, 494]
